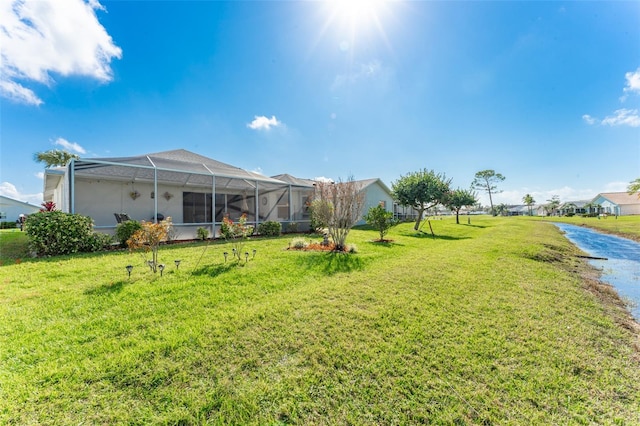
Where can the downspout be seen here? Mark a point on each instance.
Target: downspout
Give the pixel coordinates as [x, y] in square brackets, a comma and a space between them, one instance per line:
[72, 186]
[155, 191]
[257, 203]
[290, 205]
[213, 200]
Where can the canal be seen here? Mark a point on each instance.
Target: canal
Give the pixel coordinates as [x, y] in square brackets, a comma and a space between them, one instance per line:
[622, 267]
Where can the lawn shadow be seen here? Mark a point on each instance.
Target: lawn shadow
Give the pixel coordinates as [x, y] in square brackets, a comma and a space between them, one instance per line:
[215, 269]
[103, 289]
[331, 263]
[426, 235]
[385, 244]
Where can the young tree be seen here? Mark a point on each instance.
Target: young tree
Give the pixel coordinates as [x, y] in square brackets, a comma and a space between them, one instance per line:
[54, 158]
[460, 198]
[529, 201]
[344, 203]
[487, 181]
[421, 190]
[149, 238]
[236, 233]
[634, 187]
[380, 219]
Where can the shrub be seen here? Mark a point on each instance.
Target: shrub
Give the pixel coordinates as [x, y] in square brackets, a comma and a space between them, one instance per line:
[97, 241]
[125, 230]
[299, 243]
[380, 219]
[203, 233]
[7, 225]
[292, 227]
[270, 229]
[55, 233]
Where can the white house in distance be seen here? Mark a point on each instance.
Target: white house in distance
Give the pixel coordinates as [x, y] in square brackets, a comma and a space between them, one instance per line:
[10, 209]
[618, 203]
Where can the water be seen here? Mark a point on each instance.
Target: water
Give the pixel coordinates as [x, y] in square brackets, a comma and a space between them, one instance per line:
[621, 270]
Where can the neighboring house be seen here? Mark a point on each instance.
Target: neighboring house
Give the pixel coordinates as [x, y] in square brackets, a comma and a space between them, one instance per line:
[10, 209]
[376, 193]
[575, 208]
[617, 203]
[519, 210]
[196, 191]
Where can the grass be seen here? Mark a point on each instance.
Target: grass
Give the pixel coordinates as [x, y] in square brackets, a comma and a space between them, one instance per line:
[13, 246]
[626, 226]
[484, 324]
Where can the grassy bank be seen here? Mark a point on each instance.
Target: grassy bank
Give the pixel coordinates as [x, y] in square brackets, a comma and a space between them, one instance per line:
[484, 324]
[625, 226]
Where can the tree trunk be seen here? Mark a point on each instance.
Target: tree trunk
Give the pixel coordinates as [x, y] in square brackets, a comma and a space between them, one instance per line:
[457, 219]
[418, 220]
[493, 212]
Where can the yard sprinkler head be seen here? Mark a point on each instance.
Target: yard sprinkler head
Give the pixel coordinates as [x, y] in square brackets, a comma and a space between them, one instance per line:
[161, 267]
[254, 253]
[177, 262]
[225, 255]
[246, 256]
[129, 269]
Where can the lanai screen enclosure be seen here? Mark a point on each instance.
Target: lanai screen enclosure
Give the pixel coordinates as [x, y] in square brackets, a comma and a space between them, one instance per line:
[195, 191]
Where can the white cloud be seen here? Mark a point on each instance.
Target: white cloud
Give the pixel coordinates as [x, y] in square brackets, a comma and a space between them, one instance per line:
[9, 190]
[323, 179]
[70, 146]
[41, 37]
[264, 123]
[40, 175]
[623, 117]
[633, 83]
[12, 90]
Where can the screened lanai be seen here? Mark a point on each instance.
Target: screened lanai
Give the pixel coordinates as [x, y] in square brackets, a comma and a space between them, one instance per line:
[195, 191]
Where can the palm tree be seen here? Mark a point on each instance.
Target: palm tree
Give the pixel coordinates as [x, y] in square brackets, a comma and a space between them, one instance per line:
[634, 187]
[529, 201]
[54, 157]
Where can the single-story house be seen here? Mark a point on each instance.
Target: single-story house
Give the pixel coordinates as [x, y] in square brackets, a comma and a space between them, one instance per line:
[195, 191]
[617, 203]
[375, 192]
[575, 207]
[10, 209]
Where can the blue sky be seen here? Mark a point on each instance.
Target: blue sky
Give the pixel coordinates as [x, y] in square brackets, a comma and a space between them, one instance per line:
[546, 93]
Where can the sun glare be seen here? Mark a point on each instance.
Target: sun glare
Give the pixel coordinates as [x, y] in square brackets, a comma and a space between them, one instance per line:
[357, 12]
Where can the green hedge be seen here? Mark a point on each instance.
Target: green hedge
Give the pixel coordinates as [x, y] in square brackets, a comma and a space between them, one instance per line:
[270, 229]
[125, 230]
[56, 233]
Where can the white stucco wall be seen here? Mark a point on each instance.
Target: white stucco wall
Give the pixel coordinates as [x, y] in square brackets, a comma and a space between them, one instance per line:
[374, 194]
[12, 209]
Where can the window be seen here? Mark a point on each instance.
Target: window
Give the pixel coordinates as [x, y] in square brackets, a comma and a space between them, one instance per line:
[3, 215]
[196, 207]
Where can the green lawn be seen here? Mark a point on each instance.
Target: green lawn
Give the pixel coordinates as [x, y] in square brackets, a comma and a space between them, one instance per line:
[13, 246]
[626, 226]
[484, 324]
